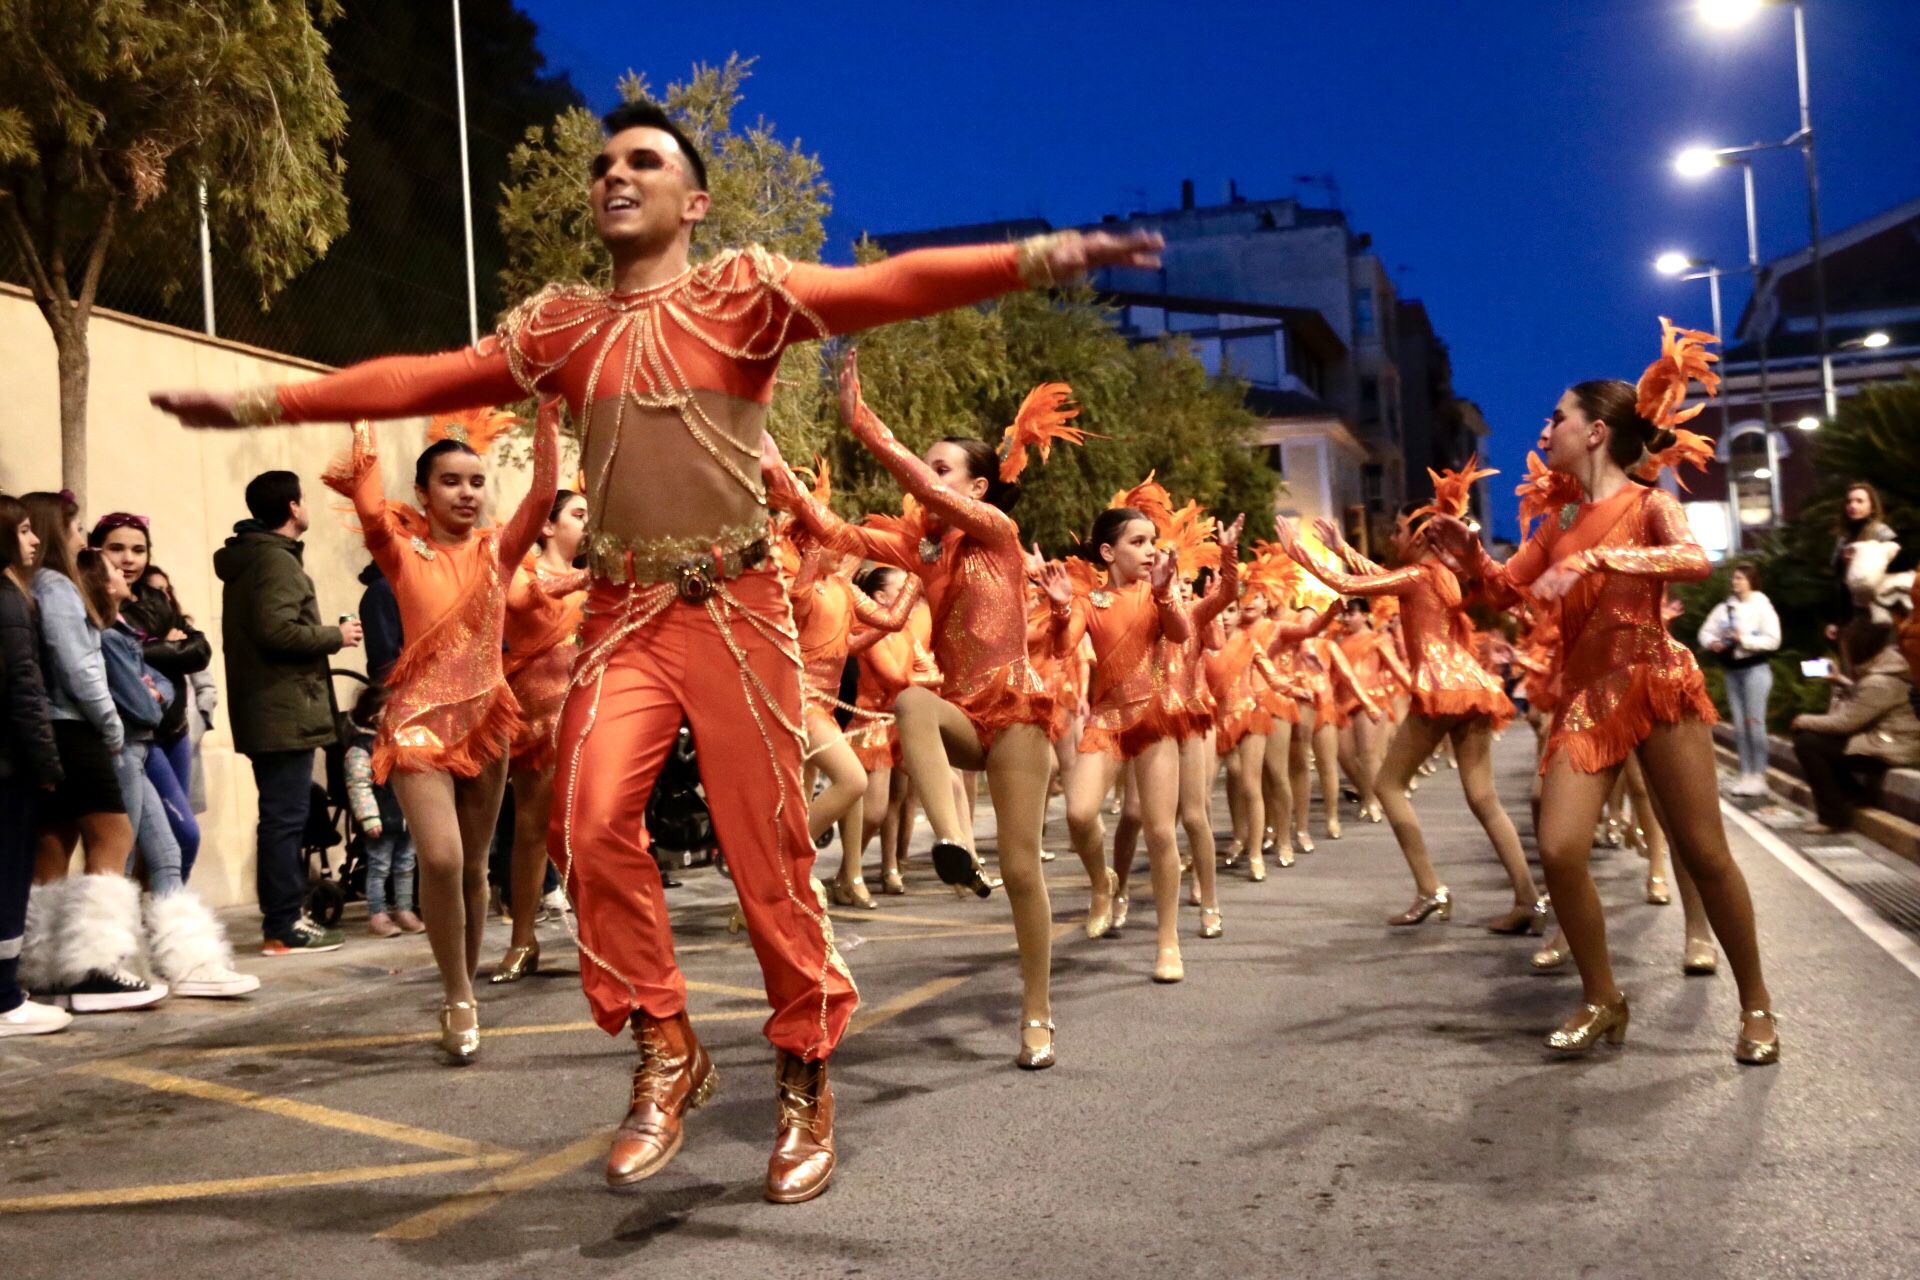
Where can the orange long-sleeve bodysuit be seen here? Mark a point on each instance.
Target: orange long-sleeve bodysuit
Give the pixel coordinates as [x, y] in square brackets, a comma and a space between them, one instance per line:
[825, 613]
[1129, 697]
[451, 710]
[1188, 701]
[1448, 679]
[974, 575]
[670, 387]
[1621, 673]
[543, 623]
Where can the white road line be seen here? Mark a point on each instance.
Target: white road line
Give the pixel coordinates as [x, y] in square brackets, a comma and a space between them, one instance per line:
[1891, 940]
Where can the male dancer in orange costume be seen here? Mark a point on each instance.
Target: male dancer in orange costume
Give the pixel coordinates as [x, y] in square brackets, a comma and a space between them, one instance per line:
[669, 376]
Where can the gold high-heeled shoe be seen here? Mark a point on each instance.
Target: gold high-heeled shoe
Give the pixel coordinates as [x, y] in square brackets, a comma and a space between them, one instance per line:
[1100, 909]
[1333, 828]
[1657, 892]
[1757, 1053]
[1303, 840]
[460, 1044]
[1169, 968]
[1257, 868]
[1439, 902]
[854, 895]
[1036, 1059]
[1551, 957]
[1699, 959]
[1235, 852]
[1210, 925]
[1531, 918]
[1119, 906]
[516, 964]
[893, 884]
[1596, 1022]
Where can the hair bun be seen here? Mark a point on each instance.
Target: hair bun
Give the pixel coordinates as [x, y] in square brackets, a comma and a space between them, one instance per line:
[1660, 439]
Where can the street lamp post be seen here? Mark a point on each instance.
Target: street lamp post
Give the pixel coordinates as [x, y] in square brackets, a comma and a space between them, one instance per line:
[1684, 268]
[1731, 13]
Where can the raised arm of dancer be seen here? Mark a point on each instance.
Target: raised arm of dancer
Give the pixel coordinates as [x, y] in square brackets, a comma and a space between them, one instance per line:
[517, 538]
[924, 281]
[1226, 584]
[784, 493]
[1504, 585]
[1671, 556]
[981, 521]
[357, 476]
[1287, 634]
[1386, 583]
[1336, 542]
[863, 639]
[886, 617]
[390, 387]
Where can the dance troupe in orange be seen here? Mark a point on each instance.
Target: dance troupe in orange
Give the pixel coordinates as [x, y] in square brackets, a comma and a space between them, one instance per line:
[691, 575]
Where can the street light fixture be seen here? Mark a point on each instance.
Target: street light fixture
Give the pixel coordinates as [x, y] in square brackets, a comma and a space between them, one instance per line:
[1733, 13]
[1696, 162]
[1875, 340]
[1672, 263]
[1808, 423]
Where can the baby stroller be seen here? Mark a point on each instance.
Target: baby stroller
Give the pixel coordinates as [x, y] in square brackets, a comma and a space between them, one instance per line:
[678, 821]
[330, 826]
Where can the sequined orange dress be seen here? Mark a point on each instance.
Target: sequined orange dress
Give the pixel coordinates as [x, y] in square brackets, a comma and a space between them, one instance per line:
[1621, 673]
[1448, 679]
[1128, 700]
[1230, 680]
[543, 621]
[451, 710]
[825, 613]
[1187, 700]
[974, 575]
[885, 659]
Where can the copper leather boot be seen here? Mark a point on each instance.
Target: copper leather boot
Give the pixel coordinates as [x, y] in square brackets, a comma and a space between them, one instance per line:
[803, 1159]
[675, 1075]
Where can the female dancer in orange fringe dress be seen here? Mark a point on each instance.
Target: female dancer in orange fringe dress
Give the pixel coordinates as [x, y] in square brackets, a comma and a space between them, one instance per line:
[890, 663]
[1453, 697]
[1321, 669]
[543, 618]
[444, 740]
[992, 712]
[1625, 682]
[1125, 618]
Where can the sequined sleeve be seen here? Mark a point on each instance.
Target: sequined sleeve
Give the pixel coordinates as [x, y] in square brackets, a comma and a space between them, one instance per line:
[1225, 590]
[981, 521]
[1504, 585]
[817, 518]
[356, 474]
[882, 617]
[560, 585]
[1398, 582]
[517, 538]
[1671, 556]
[1175, 624]
[1294, 633]
[1338, 657]
[918, 283]
[403, 386]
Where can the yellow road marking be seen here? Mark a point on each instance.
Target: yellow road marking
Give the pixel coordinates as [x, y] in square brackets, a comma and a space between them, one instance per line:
[868, 1019]
[902, 917]
[724, 989]
[522, 1177]
[310, 1112]
[241, 1186]
[924, 935]
[416, 1037]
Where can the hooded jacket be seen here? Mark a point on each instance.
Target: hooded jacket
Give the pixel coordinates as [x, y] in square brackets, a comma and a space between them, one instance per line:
[279, 697]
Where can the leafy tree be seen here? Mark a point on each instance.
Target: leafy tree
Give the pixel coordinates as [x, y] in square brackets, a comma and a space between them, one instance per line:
[109, 111]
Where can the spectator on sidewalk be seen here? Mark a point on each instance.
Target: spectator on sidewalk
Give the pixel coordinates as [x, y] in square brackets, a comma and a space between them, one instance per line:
[1743, 633]
[84, 943]
[170, 644]
[29, 766]
[279, 696]
[1869, 728]
[380, 617]
[201, 697]
[1861, 520]
[389, 846]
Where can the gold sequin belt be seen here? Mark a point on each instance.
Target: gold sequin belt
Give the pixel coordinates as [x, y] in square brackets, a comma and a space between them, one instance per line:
[695, 566]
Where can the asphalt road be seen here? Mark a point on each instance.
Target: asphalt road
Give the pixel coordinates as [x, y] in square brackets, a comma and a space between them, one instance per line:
[1323, 1096]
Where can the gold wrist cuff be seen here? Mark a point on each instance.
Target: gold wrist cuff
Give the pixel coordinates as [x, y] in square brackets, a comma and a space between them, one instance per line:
[1033, 253]
[259, 407]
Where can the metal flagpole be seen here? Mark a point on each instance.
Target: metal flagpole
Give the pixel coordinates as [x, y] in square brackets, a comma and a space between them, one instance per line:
[466, 176]
[206, 265]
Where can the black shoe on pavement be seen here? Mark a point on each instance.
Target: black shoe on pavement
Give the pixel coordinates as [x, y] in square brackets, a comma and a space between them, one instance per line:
[108, 991]
[305, 937]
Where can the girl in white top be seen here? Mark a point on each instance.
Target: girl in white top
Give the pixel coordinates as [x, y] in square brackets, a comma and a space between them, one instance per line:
[1744, 631]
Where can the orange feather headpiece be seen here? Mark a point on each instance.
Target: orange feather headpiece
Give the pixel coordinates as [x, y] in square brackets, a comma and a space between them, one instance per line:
[1453, 490]
[1151, 499]
[475, 428]
[1044, 417]
[1683, 358]
[1189, 536]
[1272, 574]
[822, 477]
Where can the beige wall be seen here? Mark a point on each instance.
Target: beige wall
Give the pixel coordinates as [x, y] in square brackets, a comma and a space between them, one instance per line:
[189, 484]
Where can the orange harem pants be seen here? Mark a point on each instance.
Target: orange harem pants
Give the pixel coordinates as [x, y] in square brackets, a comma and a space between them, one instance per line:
[730, 665]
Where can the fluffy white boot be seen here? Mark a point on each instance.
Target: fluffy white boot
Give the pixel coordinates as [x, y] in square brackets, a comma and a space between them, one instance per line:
[190, 948]
[97, 961]
[46, 922]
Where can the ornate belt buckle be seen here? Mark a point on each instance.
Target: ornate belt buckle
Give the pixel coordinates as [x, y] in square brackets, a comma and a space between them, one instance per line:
[693, 579]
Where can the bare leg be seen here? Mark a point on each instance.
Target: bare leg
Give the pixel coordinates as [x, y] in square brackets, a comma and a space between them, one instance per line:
[1197, 767]
[53, 853]
[108, 838]
[532, 801]
[1157, 778]
[829, 752]
[1680, 776]
[1570, 803]
[1300, 774]
[1093, 776]
[1126, 831]
[451, 824]
[1017, 772]
[1473, 747]
[1326, 741]
[1259, 769]
[1412, 743]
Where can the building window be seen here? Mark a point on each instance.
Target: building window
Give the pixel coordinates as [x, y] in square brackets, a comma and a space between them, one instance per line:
[1372, 480]
[1276, 461]
[1363, 313]
[1255, 358]
[1369, 397]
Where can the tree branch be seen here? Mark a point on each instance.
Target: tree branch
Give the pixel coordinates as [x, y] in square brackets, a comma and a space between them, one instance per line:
[96, 260]
[29, 252]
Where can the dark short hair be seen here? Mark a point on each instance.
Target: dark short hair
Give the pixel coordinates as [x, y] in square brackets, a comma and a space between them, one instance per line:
[651, 115]
[271, 495]
[12, 513]
[1752, 574]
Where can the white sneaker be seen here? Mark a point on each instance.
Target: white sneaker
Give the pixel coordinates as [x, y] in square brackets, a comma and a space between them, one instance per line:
[555, 902]
[215, 981]
[31, 1019]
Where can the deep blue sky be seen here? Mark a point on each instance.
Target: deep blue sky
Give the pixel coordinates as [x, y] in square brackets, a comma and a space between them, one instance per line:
[1510, 157]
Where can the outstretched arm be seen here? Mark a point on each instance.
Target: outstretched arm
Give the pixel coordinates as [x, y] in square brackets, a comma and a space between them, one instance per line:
[784, 493]
[517, 539]
[1226, 584]
[886, 618]
[390, 387]
[1286, 635]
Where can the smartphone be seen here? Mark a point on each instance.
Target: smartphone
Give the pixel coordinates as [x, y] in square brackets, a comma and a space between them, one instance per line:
[1817, 669]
